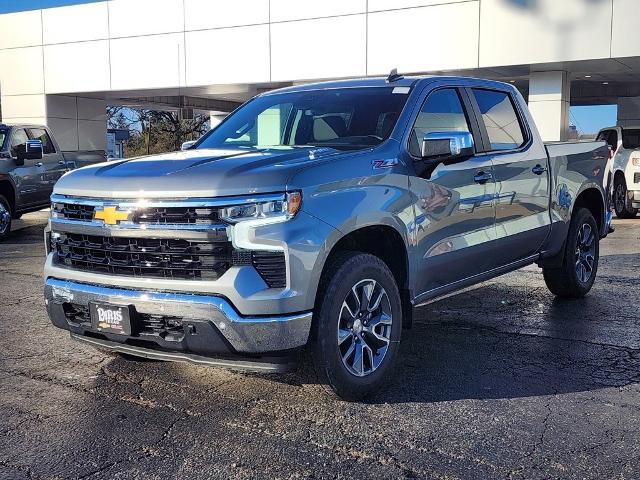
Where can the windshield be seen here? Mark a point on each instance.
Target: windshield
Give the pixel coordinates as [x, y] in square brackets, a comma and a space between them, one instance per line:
[631, 138]
[347, 118]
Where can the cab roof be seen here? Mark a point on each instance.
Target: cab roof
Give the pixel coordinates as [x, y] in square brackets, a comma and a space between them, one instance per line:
[400, 81]
[351, 83]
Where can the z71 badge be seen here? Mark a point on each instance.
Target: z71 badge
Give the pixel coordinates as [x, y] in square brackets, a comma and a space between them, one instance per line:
[391, 162]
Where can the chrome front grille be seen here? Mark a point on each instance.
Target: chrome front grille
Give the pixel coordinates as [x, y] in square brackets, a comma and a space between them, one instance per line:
[175, 215]
[143, 257]
[170, 239]
[71, 211]
[162, 258]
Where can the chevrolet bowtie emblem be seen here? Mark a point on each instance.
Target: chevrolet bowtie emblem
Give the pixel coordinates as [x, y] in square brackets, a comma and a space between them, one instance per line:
[111, 215]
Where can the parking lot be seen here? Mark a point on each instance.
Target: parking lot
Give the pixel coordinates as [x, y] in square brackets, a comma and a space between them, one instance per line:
[500, 381]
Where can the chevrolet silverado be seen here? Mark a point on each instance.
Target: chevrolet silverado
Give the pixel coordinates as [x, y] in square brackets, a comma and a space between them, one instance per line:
[315, 218]
[30, 164]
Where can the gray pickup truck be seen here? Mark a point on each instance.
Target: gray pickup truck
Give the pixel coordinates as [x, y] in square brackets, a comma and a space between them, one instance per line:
[319, 216]
[31, 162]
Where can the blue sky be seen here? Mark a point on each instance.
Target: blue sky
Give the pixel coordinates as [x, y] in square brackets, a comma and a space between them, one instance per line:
[592, 118]
[7, 6]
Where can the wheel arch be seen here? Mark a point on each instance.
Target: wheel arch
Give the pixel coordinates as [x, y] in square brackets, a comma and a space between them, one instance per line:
[591, 199]
[384, 242]
[9, 192]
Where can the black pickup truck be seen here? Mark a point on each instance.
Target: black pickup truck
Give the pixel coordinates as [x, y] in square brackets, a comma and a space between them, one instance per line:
[31, 162]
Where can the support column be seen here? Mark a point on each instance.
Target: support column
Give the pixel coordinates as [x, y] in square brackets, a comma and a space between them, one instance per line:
[549, 100]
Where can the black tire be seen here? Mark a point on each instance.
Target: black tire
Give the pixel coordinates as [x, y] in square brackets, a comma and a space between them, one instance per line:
[5, 218]
[346, 272]
[621, 201]
[566, 281]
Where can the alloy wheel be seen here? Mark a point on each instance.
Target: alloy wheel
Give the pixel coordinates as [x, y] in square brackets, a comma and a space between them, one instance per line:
[364, 327]
[585, 252]
[5, 218]
[620, 198]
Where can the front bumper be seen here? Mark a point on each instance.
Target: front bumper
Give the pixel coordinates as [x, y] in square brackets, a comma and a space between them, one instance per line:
[210, 325]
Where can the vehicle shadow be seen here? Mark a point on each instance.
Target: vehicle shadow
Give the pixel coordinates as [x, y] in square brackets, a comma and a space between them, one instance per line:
[26, 235]
[476, 345]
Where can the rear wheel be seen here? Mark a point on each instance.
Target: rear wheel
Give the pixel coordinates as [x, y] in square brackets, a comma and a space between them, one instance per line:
[580, 266]
[358, 327]
[621, 200]
[5, 218]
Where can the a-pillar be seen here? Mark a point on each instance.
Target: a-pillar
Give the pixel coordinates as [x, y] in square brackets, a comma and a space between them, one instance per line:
[549, 102]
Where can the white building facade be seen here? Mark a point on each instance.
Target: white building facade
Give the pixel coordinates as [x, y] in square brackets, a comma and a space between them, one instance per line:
[62, 66]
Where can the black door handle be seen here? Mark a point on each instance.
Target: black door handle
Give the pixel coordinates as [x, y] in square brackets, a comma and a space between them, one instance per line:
[538, 169]
[482, 177]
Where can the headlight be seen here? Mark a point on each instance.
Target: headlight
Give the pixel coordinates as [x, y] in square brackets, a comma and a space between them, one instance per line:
[280, 209]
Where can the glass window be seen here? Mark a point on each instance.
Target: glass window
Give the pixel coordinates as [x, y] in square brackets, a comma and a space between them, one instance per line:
[441, 112]
[42, 135]
[630, 138]
[346, 118]
[18, 139]
[3, 137]
[500, 119]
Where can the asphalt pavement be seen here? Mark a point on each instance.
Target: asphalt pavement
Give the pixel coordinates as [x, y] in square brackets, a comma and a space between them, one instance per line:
[499, 381]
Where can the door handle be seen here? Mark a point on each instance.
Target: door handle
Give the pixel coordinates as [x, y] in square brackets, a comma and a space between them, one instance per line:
[482, 177]
[538, 169]
[39, 164]
[61, 162]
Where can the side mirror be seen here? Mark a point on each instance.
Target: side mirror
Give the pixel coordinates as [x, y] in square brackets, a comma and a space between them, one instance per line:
[34, 150]
[187, 145]
[447, 146]
[30, 150]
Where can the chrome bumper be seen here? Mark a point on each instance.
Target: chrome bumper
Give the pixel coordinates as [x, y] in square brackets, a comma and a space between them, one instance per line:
[258, 334]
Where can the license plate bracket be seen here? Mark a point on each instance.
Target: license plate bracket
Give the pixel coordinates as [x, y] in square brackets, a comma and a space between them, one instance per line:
[107, 318]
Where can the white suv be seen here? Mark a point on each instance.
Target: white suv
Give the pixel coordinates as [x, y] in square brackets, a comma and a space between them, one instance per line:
[625, 144]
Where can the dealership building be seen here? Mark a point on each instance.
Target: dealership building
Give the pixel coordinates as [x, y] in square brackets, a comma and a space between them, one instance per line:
[62, 66]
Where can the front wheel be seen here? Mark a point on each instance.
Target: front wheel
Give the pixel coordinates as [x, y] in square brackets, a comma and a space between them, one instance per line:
[358, 325]
[621, 201]
[5, 218]
[580, 265]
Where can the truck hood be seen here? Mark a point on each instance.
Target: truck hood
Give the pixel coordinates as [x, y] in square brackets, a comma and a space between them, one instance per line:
[192, 173]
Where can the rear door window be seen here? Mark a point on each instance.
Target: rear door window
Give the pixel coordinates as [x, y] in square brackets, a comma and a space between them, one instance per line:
[631, 138]
[500, 119]
[42, 135]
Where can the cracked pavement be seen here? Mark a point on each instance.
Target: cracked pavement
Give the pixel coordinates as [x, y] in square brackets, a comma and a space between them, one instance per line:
[499, 381]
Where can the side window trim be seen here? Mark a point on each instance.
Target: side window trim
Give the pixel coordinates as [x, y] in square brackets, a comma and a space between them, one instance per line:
[485, 136]
[482, 144]
[468, 113]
